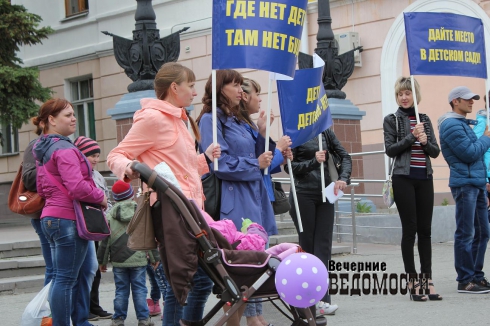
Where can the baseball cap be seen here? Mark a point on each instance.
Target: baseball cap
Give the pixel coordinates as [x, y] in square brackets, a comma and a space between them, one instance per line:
[462, 92]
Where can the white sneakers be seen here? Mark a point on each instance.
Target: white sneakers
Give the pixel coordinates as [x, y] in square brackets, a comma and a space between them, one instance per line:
[324, 308]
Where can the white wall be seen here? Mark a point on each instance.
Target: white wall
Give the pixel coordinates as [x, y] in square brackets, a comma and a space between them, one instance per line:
[81, 36]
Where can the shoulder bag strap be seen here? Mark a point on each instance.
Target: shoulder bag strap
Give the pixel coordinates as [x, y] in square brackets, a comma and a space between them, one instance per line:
[152, 179]
[327, 140]
[59, 185]
[396, 137]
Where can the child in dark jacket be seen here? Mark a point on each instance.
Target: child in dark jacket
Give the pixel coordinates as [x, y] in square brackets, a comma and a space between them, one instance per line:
[129, 267]
[91, 150]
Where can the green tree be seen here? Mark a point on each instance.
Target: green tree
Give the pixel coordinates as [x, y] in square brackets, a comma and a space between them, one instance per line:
[19, 86]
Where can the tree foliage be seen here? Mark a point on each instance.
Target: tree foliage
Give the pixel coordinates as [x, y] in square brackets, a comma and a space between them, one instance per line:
[19, 86]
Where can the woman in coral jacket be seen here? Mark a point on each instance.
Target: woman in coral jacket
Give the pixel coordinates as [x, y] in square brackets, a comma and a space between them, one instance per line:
[159, 134]
[74, 261]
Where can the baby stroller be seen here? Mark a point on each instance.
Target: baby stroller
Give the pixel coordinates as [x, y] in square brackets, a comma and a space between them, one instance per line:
[186, 242]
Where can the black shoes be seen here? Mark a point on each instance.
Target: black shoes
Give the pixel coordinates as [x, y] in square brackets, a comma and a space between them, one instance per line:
[472, 287]
[484, 283]
[104, 315]
[414, 293]
[433, 297]
[99, 315]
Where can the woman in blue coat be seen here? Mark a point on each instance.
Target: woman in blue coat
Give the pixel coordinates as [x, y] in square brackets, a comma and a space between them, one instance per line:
[250, 104]
[243, 155]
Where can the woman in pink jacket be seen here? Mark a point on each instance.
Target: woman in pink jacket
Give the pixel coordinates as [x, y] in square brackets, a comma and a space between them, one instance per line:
[74, 262]
[159, 134]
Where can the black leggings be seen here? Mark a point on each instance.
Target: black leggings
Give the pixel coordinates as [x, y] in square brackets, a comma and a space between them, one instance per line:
[95, 307]
[415, 201]
[317, 219]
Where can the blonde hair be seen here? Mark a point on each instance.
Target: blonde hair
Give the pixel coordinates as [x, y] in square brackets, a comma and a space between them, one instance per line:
[404, 84]
[248, 85]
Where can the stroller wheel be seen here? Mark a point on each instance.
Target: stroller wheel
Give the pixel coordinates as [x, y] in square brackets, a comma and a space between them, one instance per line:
[321, 321]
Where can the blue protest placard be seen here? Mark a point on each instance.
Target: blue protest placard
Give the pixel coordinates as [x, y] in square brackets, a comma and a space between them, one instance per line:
[445, 44]
[304, 105]
[257, 34]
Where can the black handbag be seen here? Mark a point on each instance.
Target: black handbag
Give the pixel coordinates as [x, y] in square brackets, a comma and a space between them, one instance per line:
[90, 218]
[281, 203]
[211, 186]
[91, 221]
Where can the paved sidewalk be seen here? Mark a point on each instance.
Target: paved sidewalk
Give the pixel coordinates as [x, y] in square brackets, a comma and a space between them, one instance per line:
[365, 310]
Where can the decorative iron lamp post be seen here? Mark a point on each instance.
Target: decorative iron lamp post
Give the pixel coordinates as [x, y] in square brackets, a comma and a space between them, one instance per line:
[141, 58]
[338, 68]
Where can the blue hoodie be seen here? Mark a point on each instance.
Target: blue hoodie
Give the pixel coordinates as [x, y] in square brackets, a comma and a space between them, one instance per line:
[66, 164]
[479, 129]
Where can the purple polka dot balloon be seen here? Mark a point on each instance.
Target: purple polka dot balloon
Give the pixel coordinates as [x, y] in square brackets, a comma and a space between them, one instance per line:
[301, 280]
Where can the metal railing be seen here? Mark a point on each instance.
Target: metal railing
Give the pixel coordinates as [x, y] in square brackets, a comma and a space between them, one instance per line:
[351, 197]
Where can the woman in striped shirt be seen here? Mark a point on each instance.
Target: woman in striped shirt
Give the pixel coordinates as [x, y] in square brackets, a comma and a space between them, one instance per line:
[412, 144]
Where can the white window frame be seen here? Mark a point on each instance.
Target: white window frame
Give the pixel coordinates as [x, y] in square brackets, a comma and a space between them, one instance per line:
[13, 139]
[86, 109]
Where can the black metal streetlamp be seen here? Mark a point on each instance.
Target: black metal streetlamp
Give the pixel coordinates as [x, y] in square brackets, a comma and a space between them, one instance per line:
[337, 67]
[142, 56]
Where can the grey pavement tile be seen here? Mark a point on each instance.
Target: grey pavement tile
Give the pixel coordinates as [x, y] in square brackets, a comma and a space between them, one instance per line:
[365, 310]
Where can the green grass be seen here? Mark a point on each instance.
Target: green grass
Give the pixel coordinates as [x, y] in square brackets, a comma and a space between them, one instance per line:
[363, 207]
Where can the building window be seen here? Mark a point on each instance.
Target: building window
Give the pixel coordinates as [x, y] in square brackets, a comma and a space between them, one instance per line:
[82, 94]
[74, 7]
[9, 139]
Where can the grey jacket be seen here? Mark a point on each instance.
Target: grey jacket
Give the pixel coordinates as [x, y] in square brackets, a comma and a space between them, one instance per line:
[29, 172]
[400, 146]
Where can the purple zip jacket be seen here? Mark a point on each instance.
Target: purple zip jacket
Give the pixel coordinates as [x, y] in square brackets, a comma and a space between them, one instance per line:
[68, 166]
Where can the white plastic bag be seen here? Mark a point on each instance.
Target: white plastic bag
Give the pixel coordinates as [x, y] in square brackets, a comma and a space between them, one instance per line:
[166, 172]
[37, 308]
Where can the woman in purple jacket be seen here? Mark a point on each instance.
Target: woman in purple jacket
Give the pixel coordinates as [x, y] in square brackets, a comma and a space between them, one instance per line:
[74, 261]
[243, 155]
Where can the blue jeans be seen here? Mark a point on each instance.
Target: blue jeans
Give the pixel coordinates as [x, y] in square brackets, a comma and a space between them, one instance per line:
[158, 282]
[74, 266]
[161, 280]
[45, 249]
[134, 278]
[254, 308]
[472, 233]
[196, 300]
[155, 293]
